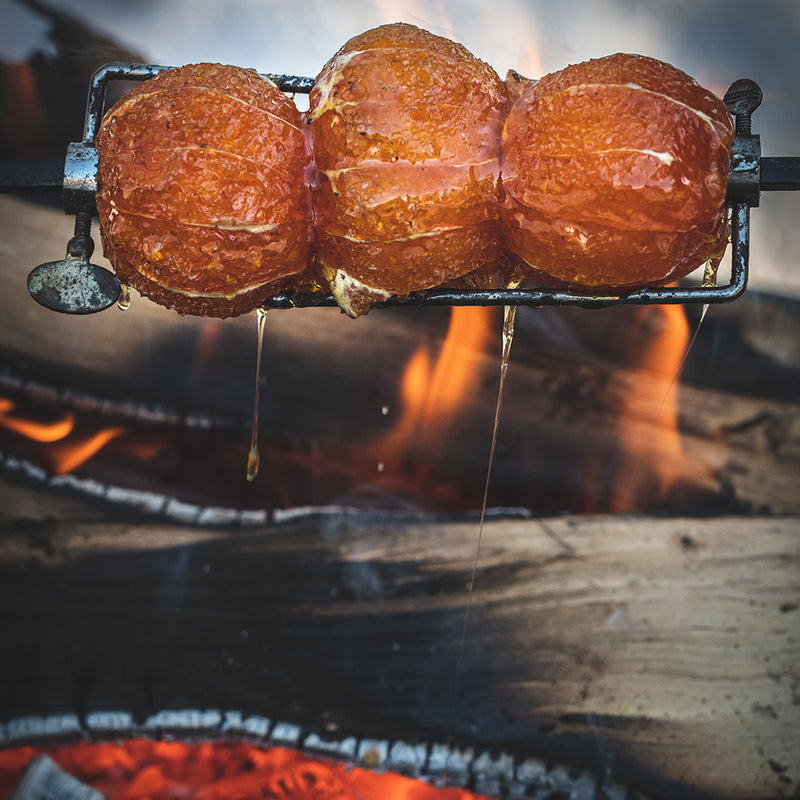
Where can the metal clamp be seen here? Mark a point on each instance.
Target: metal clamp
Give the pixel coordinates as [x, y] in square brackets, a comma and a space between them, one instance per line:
[80, 177]
[744, 177]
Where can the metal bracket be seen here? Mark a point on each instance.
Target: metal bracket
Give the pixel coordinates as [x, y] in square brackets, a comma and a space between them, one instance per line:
[744, 177]
[80, 177]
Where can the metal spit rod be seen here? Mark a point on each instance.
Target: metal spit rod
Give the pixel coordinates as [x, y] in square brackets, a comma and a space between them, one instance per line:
[750, 173]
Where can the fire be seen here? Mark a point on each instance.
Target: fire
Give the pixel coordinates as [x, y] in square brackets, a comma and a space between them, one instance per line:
[448, 29]
[68, 456]
[534, 65]
[455, 375]
[35, 429]
[432, 393]
[648, 417]
[137, 769]
[22, 94]
[67, 448]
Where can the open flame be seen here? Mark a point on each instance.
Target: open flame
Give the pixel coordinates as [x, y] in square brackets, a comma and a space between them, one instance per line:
[534, 64]
[647, 457]
[147, 770]
[39, 431]
[66, 447]
[27, 132]
[649, 432]
[67, 456]
[433, 391]
[419, 450]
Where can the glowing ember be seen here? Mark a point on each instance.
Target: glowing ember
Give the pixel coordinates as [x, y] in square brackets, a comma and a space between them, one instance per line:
[146, 770]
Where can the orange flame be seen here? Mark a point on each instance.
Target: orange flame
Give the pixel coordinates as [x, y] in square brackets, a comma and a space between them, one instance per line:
[68, 456]
[68, 449]
[456, 373]
[33, 429]
[534, 65]
[649, 429]
[433, 395]
[22, 93]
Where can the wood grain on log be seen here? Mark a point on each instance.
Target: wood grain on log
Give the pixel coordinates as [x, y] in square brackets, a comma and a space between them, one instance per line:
[663, 650]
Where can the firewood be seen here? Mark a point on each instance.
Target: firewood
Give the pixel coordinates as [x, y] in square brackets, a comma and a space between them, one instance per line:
[664, 650]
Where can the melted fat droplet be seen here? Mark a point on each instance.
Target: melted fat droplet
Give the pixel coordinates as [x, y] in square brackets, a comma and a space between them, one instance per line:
[124, 301]
[253, 457]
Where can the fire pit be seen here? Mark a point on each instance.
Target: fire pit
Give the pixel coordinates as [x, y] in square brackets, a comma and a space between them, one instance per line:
[627, 627]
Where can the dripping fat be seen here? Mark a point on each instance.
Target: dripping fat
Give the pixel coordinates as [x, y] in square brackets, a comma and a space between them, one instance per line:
[253, 458]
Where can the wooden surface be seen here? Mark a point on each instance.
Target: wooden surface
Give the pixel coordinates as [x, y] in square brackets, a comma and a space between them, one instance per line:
[663, 650]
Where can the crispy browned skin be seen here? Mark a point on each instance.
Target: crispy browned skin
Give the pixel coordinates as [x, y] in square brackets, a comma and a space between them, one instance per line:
[406, 128]
[614, 174]
[203, 197]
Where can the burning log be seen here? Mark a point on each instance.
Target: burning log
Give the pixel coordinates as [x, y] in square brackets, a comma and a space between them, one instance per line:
[662, 652]
[590, 421]
[727, 452]
[633, 643]
[222, 770]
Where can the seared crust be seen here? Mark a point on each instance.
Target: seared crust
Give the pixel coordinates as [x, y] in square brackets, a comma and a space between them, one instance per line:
[401, 266]
[614, 174]
[406, 130]
[221, 307]
[202, 189]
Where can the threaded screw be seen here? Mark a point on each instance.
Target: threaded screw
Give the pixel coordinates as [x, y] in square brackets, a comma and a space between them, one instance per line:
[81, 244]
[742, 99]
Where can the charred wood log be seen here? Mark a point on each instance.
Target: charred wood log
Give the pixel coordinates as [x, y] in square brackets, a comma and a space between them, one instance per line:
[660, 652]
[582, 428]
